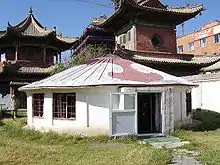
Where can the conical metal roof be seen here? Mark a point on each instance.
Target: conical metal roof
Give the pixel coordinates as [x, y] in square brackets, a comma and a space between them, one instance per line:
[108, 70]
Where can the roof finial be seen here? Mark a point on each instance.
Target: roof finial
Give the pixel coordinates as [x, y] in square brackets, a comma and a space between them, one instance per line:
[9, 25]
[31, 11]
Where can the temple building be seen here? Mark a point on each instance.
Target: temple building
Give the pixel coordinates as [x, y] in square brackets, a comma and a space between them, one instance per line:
[145, 31]
[94, 36]
[28, 52]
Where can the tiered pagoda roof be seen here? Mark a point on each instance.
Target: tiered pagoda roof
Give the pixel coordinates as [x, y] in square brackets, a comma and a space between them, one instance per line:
[164, 58]
[30, 27]
[25, 67]
[149, 11]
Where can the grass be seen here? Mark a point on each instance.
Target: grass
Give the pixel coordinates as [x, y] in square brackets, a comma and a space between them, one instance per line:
[20, 146]
[205, 138]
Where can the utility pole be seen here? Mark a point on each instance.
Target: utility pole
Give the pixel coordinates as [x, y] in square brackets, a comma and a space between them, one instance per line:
[183, 28]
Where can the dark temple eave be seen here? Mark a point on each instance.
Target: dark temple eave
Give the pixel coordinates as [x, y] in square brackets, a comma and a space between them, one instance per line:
[30, 27]
[155, 58]
[129, 9]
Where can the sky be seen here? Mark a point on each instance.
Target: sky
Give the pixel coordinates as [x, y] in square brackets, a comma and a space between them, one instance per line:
[71, 17]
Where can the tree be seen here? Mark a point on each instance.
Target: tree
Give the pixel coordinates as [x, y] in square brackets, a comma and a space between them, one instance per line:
[89, 53]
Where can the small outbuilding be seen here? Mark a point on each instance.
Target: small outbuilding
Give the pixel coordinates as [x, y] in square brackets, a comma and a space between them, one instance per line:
[206, 95]
[110, 96]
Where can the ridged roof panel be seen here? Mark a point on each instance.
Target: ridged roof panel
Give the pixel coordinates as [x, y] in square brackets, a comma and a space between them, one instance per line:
[109, 70]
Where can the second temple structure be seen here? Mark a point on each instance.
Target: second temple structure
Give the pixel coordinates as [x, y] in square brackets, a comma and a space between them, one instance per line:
[28, 52]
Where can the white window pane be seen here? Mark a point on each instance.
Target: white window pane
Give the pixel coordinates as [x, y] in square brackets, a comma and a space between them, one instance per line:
[123, 101]
[191, 46]
[129, 101]
[124, 39]
[115, 101]
[203, 42]
[129, 36]
[216, 38]
[180, 49]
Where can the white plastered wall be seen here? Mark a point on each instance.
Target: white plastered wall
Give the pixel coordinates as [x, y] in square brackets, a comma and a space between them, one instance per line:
[180, 105]
[206, 96]
[92, 112]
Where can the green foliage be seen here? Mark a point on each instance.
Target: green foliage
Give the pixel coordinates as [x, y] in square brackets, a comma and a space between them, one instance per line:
[204, 120]
[59, 67]
[90, 52]
[209, 120]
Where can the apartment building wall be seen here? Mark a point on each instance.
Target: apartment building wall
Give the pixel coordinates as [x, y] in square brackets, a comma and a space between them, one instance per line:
[205, 41]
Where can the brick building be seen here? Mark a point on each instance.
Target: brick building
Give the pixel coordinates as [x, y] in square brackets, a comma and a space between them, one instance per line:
[204, 41]
[146, 30]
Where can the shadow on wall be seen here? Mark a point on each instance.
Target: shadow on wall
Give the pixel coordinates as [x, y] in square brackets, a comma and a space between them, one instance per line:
[204, 120]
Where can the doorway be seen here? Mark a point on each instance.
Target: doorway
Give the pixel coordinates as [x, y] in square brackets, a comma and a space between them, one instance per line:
[149, 113]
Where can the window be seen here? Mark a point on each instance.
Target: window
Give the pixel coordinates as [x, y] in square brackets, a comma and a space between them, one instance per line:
[203, 42]
[188, 103]
[123, 39]
[38, 104]
[129, 35]
[216, 38]
[156, 41]
[3, 57]
[120, 40]
[180, 49]
[191, 46]
[123, 101]
[64, 105]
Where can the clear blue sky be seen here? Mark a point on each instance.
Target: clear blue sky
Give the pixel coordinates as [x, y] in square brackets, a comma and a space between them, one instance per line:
[71, 17]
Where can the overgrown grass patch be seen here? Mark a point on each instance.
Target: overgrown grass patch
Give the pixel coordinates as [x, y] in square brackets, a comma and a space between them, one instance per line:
[21, 146]
[205, 138]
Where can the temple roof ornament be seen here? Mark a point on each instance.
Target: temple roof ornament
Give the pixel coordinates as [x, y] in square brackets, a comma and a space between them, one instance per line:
[31, 11]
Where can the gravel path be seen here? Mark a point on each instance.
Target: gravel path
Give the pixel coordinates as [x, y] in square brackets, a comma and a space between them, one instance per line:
[184, 157]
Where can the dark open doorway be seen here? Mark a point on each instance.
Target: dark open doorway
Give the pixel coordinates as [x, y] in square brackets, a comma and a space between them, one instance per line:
[149, 113]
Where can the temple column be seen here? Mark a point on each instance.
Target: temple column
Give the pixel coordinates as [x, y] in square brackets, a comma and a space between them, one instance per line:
[45, 54]
[60, 57]
[16, 52]
[56, 58]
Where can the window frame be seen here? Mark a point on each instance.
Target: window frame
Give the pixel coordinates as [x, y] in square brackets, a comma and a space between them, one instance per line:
[191, 46]
[216, 39]
[38, 108]
[188, 103]
[61, 106]
[156, 41]
[128, 36]
[178, 49]
[202, 44]
[120, 39]
[124, 38]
